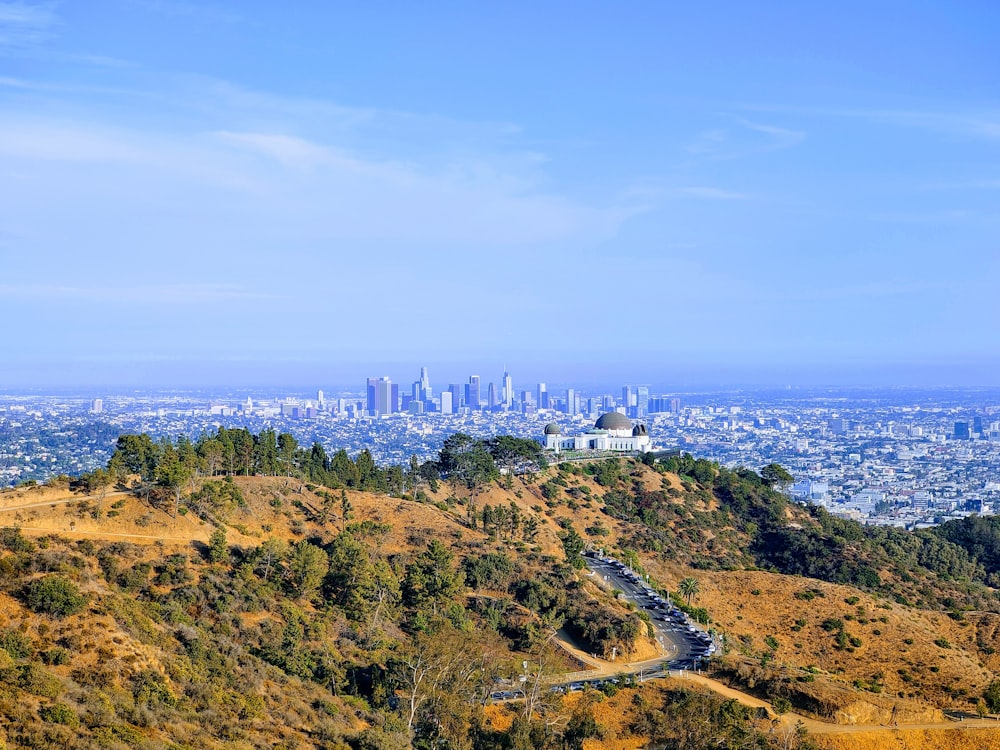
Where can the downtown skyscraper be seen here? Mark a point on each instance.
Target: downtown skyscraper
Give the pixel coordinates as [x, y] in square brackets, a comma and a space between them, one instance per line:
[507, 392]
[472, 399]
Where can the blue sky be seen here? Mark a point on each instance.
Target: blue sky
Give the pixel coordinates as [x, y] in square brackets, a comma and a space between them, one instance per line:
[727, 192]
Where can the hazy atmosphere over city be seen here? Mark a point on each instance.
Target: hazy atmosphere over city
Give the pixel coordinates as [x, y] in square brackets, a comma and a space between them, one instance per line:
[263, 193]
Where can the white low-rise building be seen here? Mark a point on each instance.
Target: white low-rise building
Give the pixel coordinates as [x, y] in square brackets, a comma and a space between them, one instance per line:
[612, 432]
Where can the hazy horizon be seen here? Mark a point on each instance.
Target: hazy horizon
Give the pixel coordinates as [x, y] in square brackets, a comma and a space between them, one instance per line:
[307, 376]
[235, 194]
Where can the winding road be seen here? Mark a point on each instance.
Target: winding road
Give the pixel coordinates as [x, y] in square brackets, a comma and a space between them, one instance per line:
[680, 645]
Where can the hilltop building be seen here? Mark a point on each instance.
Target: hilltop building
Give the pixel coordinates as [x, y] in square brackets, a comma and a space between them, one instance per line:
[611, 432]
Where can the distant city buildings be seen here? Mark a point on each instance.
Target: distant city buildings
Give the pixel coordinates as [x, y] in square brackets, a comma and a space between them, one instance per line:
[472, 393]
[880, 460]
[382, 399]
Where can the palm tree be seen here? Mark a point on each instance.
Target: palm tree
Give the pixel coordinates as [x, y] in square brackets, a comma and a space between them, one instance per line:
[689, 588]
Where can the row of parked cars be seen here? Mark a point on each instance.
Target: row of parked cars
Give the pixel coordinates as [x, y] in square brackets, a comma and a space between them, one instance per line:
[699, 642]
[506, 695]
[573, 687]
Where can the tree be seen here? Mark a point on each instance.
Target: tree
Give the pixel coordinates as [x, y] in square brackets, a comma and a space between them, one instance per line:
[394, 480]
[444, 674]
[775, 476]
[243, 444]
[266, 453]
[432, 578]
[138, 454]
[97, 483]
[508, 451]
[368, 472]
[269, 556]
[573, 545]
[117, 470]
[529, 528]
[535, 693]
[413, 475]
[582, 725]
[469, 461]
[359, 580]
[689, 588]
[431, 473]
[218, 550]
[211, 452]
[287, 445]
[992, 697]
[345, 509]
[307, 567]
[345, 470]
[173, 475]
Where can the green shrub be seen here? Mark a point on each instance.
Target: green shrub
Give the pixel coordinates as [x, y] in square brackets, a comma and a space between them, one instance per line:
[808, 595]
[17, 644]
[55, 656]
[15, 541]
[59, 713]
[54, 595]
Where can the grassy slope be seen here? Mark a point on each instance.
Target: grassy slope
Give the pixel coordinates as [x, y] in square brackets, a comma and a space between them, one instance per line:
[747, 605]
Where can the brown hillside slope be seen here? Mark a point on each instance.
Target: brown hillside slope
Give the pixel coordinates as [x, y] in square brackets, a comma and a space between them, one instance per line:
[894, 661]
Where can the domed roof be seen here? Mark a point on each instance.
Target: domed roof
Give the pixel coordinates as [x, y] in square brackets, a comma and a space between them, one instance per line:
[552, 429]
[613, 420]
[639, 430]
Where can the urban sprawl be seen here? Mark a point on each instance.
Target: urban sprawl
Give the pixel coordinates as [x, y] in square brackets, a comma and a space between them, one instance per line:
[901, 457]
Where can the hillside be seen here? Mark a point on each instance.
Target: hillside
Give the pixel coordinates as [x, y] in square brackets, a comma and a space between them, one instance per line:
[168, 634]
[299, 627]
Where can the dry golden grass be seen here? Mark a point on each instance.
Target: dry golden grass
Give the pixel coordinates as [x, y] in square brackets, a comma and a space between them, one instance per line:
[883, 627]
[912, 739]
[287, 509]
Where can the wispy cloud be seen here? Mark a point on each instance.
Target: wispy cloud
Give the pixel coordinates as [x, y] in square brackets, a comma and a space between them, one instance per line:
[289, 150]
[779, 137]
[708, 142]
[750, 138]
[304, 189]
[966, 122]
[24, 24]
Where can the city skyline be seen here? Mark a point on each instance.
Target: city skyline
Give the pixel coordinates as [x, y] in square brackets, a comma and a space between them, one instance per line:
[706, 196]
[885, 456]
[384, 397]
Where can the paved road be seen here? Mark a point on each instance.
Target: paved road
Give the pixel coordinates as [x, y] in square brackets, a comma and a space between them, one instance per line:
[681, 647]
[684, 644]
